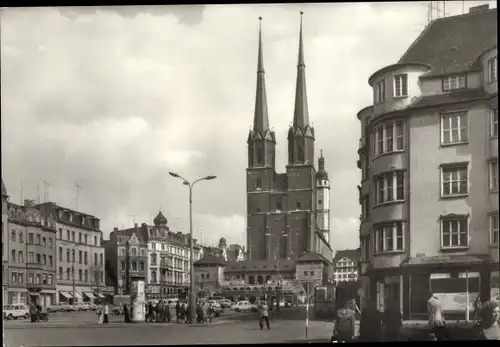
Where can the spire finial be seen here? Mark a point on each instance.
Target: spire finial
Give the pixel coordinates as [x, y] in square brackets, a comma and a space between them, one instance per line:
[261, 122]
[321, 153]
[301, 45]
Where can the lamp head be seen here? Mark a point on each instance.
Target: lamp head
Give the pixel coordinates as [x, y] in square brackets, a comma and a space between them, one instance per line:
[210, 178]
[173, 174]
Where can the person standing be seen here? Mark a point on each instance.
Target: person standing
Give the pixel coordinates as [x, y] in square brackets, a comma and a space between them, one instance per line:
[178, 311]
[126, 316]
[106, 313]
[264, 315]
[489, 325]
[392, 321]
[345, 324]
[99, 314]
[477, 308]
[437, 324]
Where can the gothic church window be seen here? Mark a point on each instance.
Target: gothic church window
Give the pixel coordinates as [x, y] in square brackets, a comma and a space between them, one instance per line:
[259, 183]
[260, 157]
[301, 154]
[250, 156]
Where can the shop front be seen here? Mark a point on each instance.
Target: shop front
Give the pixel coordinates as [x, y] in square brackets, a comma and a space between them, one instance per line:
[16, 296]
[72, 295]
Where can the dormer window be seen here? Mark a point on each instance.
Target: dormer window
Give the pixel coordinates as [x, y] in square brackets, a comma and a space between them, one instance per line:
[492, 70]
[380, 92]
[400, 85]
[453, 82]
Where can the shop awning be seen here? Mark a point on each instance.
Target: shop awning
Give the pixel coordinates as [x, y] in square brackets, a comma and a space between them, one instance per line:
[66, 295]
[101, 296]
[77, 295]
[89, 295]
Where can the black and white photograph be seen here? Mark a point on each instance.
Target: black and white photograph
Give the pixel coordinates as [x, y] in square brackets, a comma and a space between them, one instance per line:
[249, 173]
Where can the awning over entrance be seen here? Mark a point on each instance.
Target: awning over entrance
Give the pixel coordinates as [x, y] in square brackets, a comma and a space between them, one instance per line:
[77, 295]
[101, 296]
[66, 295]
[89, 295]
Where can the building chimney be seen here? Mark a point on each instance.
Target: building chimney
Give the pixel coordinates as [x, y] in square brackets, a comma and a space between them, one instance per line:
[477, 9]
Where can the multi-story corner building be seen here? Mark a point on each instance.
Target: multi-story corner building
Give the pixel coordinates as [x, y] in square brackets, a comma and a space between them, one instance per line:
[168, 253]
[346, 265]
[287, 213]
[126, 258]
[29, 263]
[429, 161]
[80, 254]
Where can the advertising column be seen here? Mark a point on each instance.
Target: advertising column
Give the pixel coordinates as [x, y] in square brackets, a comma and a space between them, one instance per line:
[138, 298]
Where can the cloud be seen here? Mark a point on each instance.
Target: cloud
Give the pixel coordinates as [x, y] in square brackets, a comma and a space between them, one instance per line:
[112, 98]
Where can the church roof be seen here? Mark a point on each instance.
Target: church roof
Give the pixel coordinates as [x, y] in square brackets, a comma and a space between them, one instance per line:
[310, 257]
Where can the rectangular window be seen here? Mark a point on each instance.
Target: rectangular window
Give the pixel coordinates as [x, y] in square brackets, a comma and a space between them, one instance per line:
[60, 233]
[85, 238]
[20, 278]
[494, 229]
[95, 258]
[21, 237]
[365, 208]
[73, 253]
[80, 275]
[364, 167]
[73, 236]
[68, 235]
[68, 272]
[134, 266]
[38, 258]
[80, 257]
[389, 137]
[80, 237]
[454, 128]
[453, 82]
[122, 265]
[31, 258]
[68, 257]
[389, 237]
[492, 70]
[60, 273]
[380, 92]
[493, 164]
[278, 205]
[49, 243]
[494, 122]
[30, 278]
[400, 85]
[85, 258]
[30, 238]
[95, 241]
[454, 180]
[454, 232]
[50, 261]
[44, 260]
[389, 187]
[49, 279]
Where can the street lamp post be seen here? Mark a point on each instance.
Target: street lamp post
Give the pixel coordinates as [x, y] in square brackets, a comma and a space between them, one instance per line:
[192, 296]
[277, 256]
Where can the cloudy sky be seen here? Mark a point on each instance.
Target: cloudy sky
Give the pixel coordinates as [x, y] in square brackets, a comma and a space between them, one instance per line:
[113, 98]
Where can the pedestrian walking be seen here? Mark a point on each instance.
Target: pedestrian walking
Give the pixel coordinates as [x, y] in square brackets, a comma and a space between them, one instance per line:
[437, 324]
[33, 314]
[106, 313]
[126, 316]
[344, 325]
[264, 315]
[178, 311]
[100, 315]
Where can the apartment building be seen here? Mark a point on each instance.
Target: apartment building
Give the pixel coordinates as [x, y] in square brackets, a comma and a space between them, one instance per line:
[28, 254]
[168, 254]
[80, 254]
[345, 265]
[126, 257]
[429, 162]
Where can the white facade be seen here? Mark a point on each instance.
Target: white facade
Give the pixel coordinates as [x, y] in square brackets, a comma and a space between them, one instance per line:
[346, 270]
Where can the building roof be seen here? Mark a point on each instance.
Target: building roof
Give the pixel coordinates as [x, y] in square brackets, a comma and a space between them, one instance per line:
[453, 97]
[261, 265]
[4, 189]
[351, 254]
[452, 44]
[160, 219]
[210, 259]
[311, 256]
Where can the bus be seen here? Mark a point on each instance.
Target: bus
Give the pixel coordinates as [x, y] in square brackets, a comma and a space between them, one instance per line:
[324, 301]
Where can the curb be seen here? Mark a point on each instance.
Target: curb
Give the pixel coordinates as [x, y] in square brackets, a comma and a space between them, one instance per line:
[110, 326]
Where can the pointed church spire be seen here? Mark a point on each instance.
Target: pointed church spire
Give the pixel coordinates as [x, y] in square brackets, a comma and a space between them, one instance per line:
[321, 162]
[261, 120]
[301, 113]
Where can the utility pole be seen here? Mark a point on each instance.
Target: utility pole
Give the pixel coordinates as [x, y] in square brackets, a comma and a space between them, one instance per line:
[38, 191]
[73, 274]
[78, 188]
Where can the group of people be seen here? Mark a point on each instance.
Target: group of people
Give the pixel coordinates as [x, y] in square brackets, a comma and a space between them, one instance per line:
[36, 313]
[204, 312]
[103, 314]
[387, 326]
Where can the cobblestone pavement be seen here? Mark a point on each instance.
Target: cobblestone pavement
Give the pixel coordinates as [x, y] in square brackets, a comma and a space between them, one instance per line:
[170, 334]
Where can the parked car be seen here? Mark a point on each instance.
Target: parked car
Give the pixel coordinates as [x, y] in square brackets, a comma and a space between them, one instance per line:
[16, 311]
[225, 303]
[59, 307]
[83, 306]
[244, 306]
